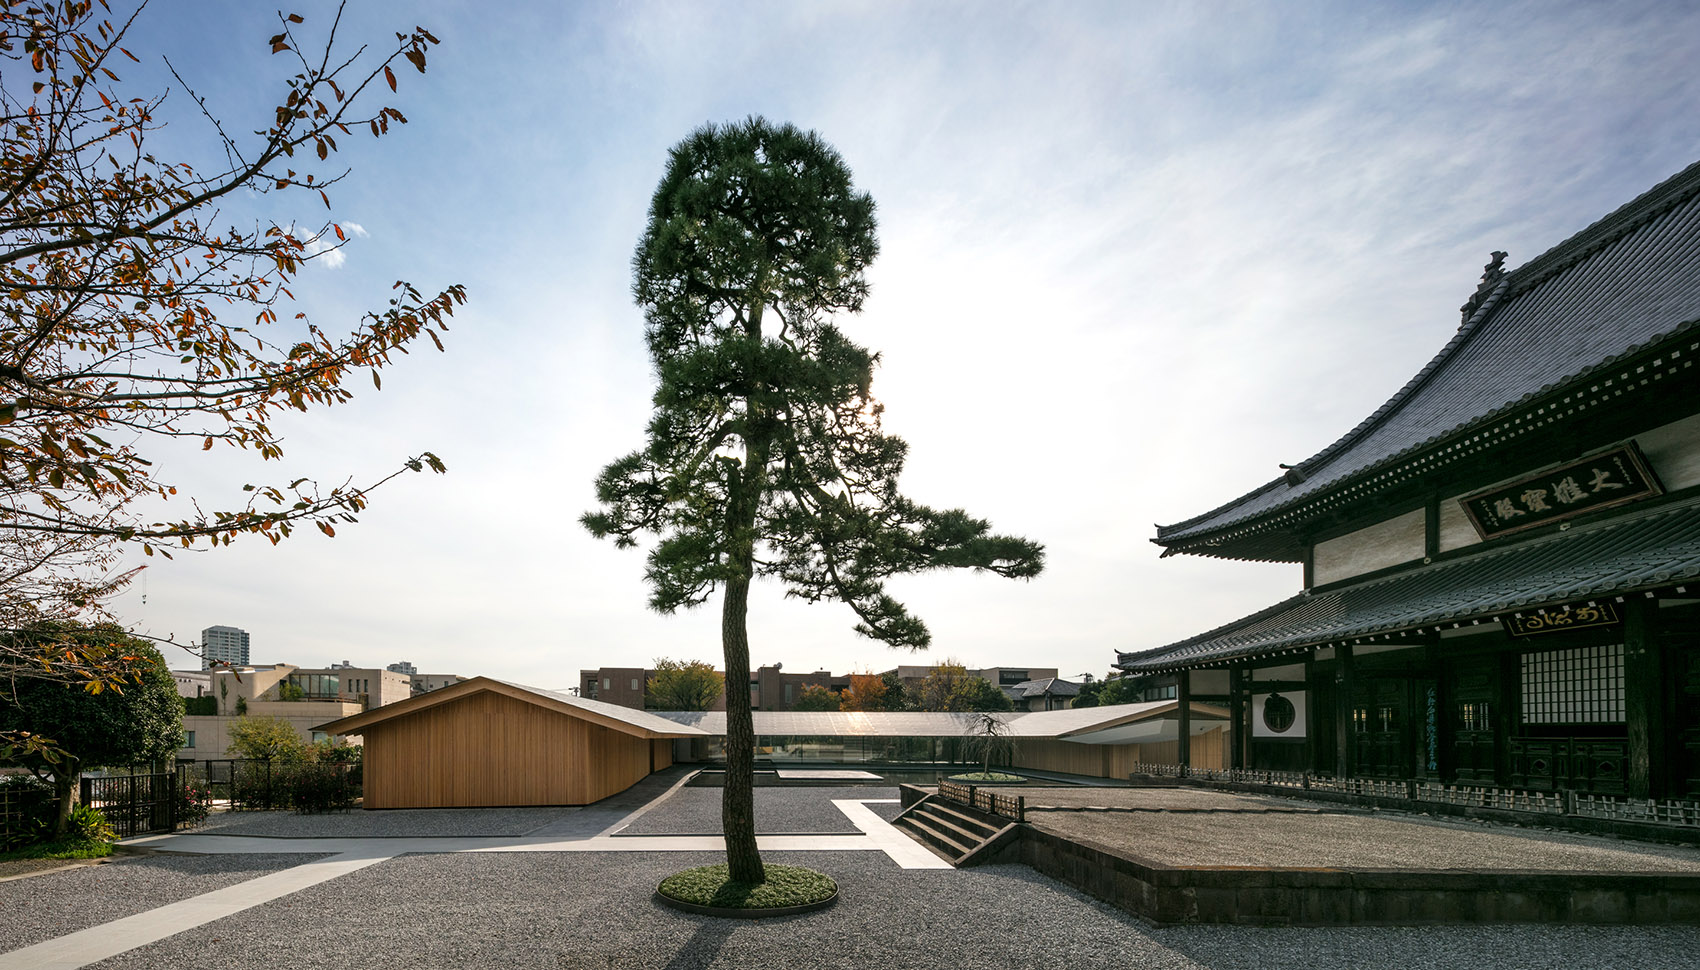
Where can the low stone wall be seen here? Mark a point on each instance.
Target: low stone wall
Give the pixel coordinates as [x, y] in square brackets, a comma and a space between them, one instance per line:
[1336, 897]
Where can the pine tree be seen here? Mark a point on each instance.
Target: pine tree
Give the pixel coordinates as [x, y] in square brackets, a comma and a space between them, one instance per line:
[765, 454]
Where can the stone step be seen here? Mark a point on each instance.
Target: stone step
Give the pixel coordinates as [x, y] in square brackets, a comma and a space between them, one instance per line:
[969, 829]
[928, 832]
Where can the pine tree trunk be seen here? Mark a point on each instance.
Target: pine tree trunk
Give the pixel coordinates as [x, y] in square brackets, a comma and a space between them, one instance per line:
[737, 799]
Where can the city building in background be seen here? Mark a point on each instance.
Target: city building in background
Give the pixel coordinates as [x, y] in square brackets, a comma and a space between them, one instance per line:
[224, 645]
[302, 696]
[773, 689]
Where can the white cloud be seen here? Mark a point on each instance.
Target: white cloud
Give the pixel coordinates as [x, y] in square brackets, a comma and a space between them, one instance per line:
[326, 249]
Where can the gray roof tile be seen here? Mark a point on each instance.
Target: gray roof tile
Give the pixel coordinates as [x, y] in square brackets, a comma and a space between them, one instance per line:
[1628, 281]
[1623, 554]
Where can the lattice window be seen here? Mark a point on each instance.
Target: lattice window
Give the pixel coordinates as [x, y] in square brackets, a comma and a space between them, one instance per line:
[1578, 686]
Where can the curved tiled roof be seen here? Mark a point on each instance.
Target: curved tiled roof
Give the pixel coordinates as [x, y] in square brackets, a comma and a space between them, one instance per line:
[1625, 283]
[1656, 549]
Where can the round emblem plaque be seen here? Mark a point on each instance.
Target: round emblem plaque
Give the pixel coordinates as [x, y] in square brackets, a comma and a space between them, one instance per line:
[1278, 713]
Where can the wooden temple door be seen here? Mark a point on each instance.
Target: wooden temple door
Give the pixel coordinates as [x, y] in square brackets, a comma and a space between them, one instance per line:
[1684, 748]
[1381, 717]
[1471, 699]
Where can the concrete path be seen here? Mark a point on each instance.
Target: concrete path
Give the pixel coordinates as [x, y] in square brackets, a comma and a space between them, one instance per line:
[347, 855]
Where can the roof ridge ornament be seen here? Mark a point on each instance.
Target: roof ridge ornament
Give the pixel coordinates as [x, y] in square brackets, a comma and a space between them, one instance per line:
[1492, 273]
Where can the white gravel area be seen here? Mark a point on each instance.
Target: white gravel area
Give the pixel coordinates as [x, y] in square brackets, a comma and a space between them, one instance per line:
[523, 911]
[1355, 841]
[779, 811]
[391, 823]
[43, 907]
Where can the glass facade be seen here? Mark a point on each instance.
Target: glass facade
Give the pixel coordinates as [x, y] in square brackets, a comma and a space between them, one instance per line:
[318, 685]
[844, 750]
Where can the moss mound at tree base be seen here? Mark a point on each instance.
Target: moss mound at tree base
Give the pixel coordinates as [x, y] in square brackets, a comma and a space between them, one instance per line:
[989, 778]
[788, 888]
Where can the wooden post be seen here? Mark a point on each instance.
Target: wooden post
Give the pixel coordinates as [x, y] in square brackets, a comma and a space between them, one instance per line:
[1237, 720]
[1643, 699]
[1344, 736]
[1183, 695]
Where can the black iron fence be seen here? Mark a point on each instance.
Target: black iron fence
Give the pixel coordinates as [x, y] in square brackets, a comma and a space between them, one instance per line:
[256, 785]
[134, 804]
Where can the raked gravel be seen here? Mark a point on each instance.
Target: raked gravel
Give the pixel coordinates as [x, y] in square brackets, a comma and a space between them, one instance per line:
[523, 911]
[43, 907]
[1355, 841]
[1154, 799]
[779, 810]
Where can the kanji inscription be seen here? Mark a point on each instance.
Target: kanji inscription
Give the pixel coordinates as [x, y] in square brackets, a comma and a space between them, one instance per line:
[1609, 478]
[1558, 618]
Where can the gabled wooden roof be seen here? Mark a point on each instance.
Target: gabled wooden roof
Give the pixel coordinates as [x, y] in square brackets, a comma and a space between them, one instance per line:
[640, 723]
[1550, 336]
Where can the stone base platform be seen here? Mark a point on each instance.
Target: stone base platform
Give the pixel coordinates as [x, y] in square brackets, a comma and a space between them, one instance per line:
[1192, 856]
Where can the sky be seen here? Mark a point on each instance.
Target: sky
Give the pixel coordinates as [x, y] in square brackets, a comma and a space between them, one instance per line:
[1133, 256]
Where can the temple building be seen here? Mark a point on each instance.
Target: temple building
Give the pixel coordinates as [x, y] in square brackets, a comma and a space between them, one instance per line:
[1502, 563]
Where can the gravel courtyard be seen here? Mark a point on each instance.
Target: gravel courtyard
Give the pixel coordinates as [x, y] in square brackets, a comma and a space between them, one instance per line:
[501, 910]
[595, 909]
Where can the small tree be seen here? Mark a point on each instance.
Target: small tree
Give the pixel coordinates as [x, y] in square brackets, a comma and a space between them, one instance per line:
[683, 685]
[816, 697]
[979, 694]
[268, 739]
[867, 692]
[941, 688]
[988, 739]
[1088, 696]
[765, 454]
[138, 724]
[121, 278]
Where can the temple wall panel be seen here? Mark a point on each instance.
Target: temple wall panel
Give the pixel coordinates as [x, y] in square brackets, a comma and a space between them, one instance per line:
[1388, 543]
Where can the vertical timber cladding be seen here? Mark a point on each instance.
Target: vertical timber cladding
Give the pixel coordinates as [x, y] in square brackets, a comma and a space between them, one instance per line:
[488, 750]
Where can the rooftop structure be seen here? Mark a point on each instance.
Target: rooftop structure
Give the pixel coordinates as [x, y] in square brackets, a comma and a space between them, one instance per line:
[1500, 562]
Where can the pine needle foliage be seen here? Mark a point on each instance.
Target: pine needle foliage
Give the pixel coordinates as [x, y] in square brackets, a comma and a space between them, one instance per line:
[765, 455]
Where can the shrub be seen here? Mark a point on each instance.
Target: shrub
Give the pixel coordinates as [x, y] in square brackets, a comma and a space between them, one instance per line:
[88, 826]
[314, 788]
[785, 886]
[26, 811]
[194, 803]
[207, 705]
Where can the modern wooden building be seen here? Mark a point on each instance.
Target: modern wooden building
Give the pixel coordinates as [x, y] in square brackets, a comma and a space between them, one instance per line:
[1501, 564]
[485, 742]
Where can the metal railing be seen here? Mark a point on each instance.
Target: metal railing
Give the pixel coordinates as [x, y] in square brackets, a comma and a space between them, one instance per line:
[1662, 811]
[134, 804]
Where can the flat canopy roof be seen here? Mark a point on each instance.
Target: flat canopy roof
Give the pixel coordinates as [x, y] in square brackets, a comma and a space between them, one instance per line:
[927, 724]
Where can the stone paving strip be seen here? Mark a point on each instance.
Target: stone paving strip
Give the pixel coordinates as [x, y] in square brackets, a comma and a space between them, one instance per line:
[787, 811]
[43, 907]
[1354, 841]
[429, 823]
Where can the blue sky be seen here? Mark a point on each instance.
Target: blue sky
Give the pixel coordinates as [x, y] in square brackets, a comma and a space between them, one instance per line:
[1133, 256]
